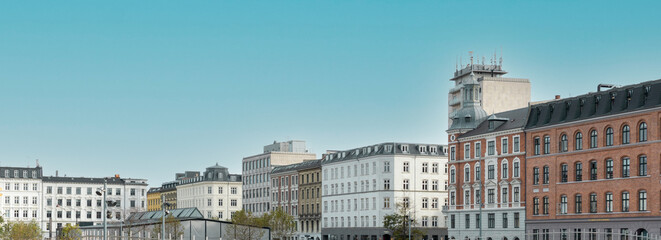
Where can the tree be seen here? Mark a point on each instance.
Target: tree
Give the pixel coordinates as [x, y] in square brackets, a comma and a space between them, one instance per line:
[398, 223]
[245, 226]
[281, 223]
[70, 232]
[173, 228]
[21, 231]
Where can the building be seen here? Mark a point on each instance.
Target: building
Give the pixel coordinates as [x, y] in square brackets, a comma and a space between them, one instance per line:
[217, 193]
[22, 194]
[362, 185]
[73, 200]
[154, 199]
[593, 164]
[284, 189]
[257, 170]
[309, 203]
[486, 166]
[169, 190]
[495, 92]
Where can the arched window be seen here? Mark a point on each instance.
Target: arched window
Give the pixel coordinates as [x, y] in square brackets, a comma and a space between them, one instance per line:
[593, 170]
[578, 203]
[642, 132]
[626, 167]
[579, 171]
[545, 177]
[563, 204]
[609, 168]
[452, 174]
[642, 200]
[593, 202]
[609, 202]
[504, 169]
[642, 165]
[547, 144]
[626, 134]
[467, 173]
[609, 136]
[535, 176]
[535, 206]
[578, 141]
[536, 145]
[563, 143]
[593, 139]
[515, 168]
[563, 172]
[625, 201]
[478, 171]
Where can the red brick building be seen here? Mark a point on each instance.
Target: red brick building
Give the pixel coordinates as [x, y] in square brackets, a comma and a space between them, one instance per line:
[593, 165]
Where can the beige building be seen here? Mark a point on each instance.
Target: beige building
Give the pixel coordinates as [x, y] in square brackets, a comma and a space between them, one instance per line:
[309, 203]
[257, 172]
[495, 92]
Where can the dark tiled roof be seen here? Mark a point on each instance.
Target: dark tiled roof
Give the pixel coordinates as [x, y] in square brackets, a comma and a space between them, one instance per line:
[89, 180]
[623, 99]
[510, 120]
[19, 171]
[383, 149]
[308, 164]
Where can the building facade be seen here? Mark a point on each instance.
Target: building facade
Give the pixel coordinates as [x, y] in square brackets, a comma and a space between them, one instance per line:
[154, 199]
[284, 190]
[362, 185]
[21, 193]
[309, 203]
[593, 165]
[217, 194]
[169, 191]
[257, 170]
[73, 200]
[486, 180]
[495, 93]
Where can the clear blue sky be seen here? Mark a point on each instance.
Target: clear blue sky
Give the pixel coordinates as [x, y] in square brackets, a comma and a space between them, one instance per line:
[150, 88]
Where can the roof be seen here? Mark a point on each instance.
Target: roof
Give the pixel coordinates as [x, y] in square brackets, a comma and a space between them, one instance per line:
[512, 119]
[93, 180]
[217, 166]
[384, 149]
[179, 213]
[154, 190]
[307, 164]
[618, 100]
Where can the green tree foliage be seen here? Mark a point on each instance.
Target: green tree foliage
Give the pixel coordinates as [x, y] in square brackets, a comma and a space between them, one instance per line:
[245, 226]
[281, 223]
[398, 224]
[70, 232]
[173, 228]
[21, 231]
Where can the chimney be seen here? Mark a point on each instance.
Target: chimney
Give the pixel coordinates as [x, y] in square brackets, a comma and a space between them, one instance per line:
[56, 173]
[557, 97]
[116, 175]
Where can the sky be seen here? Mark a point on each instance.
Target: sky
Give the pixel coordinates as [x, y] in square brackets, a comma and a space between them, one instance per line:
[146, 89]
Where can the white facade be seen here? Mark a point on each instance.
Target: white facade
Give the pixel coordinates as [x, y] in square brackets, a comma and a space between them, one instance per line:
[21, 194]
[217, 194]
[363, 185]
[74, 200]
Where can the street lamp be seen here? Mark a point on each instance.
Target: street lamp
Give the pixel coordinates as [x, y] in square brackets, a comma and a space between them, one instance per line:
[102, 192]
[164, 205]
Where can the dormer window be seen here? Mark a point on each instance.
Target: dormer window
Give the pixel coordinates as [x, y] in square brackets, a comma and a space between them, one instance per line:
[422, 149]
[491, 125]
[388, 148]
[357, 151]
[433, 150]
[405, 148]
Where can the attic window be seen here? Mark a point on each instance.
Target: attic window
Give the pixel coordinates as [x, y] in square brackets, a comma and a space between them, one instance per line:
[376, 148]
[388, 148]
[369, 150]
[646, 92]
[567, 105]
[629, 94]
[422, 149]
[468, 118]
[357, 151]
[491, 125]
[405, 148]
[432, 149]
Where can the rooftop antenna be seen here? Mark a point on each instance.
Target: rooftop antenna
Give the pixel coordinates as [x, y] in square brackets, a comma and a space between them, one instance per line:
[501, 56]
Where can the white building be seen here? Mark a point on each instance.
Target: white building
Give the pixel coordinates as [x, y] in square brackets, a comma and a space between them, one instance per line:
[21, 193]
[74, 200]
[257, 172]
[362, 185]
[217, 194]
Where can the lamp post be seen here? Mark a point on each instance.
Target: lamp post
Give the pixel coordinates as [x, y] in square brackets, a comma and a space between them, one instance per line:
[102, 192]
[410, 223]
[164, 205]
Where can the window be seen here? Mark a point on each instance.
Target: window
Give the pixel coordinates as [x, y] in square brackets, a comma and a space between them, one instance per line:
[425, 184]
[467, 173]
[535, 206]
[625, 201]
[452, 153]
[386, 167]
[504, 170]
[434, 167]
[516, 220]
[434, 203]
[491, 220]
[503, 146]
[467, 151]
[386, 184]
[535, 176]
[609, 136]
[563, 172]
[625, 167]
[642, 200]
[536, 146]
[478, 149]
[578, 143]
[491, 148]
[515, 171]
[491, 171]
[609, 168]
[626, 134]
[452, 175]
[406, 167]
[405, 202]
[547, 144]
[452, 221]
[546, 175]
[386, 203]
[515, 144]
[593, 170]
[642, 165]
[545, 209]
[452, 198]
[478, 172]
[609, 202]
[491, 196]
[563, 143]
[405, 184]
[563, 204]
[467, 222]
[593, 202]
[578, 203]
[425, 167]
[425, 203]
[516, 194]
[478, 221]
[504, 220]
[593, 139]
[579, 171]
[434, 221]
[642, 132]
